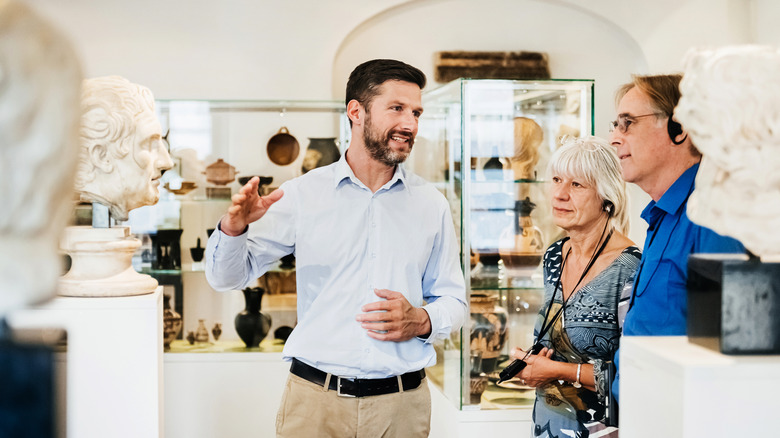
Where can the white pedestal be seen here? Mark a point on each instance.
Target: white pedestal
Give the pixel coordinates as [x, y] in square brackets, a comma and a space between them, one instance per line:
[232, 394]
[672, 388]
[449, 422]
[113, 363]
[102, 264]
[223, 394]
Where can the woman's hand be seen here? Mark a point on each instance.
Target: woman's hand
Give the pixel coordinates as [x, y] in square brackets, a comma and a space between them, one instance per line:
[540, 368]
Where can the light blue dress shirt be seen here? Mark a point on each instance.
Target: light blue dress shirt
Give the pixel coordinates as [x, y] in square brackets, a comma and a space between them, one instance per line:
[347, 242]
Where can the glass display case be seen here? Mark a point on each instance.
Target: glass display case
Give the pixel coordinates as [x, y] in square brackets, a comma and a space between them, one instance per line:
[216, 146]
[486, 145]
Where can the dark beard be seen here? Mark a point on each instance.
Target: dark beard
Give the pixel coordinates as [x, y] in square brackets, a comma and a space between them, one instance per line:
[377, 147]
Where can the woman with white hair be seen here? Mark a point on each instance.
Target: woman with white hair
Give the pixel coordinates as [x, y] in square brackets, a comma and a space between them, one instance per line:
[587, 279]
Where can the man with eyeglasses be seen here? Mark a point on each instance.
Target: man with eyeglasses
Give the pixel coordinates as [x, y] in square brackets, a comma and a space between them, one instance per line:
[656, 154]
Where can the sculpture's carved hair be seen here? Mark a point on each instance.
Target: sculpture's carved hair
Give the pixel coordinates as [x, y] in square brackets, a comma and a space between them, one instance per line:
[730, 106]
[110, 106]
[733, 95]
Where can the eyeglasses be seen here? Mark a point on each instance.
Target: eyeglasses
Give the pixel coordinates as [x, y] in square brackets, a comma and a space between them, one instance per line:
[624, 121]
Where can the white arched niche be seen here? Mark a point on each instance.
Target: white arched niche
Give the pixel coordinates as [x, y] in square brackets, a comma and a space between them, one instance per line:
[579, 43]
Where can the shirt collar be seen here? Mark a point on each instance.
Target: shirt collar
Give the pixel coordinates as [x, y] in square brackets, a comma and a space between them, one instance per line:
[674, 198]
[343, 171]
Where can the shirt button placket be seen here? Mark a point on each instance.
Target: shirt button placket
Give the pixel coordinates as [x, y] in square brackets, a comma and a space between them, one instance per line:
[371, 247]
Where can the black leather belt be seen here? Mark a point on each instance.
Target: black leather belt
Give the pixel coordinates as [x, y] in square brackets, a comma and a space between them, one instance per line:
[347, 387]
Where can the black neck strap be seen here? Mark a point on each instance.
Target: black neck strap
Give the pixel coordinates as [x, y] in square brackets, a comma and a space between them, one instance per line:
[549, 323]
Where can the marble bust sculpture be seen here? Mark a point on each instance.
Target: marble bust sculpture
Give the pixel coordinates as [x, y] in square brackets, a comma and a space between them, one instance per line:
[528, 138]
[40, 78]
[730, 106]
[123, 153]
[121, 161]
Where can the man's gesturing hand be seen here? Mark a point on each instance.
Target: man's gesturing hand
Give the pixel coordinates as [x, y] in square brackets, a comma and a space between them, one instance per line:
[247, 207]
[394, 318]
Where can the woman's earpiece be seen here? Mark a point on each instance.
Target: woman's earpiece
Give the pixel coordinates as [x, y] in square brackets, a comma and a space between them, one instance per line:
[608, 207]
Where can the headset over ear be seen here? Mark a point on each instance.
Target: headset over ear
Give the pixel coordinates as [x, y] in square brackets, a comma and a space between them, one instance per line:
[609, 207]
[674, 129]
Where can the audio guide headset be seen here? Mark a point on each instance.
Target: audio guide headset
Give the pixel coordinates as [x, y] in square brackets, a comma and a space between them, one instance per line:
[674, 129]
[609, 207]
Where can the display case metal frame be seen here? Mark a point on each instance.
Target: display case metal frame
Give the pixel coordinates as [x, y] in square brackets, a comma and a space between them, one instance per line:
[466, 123]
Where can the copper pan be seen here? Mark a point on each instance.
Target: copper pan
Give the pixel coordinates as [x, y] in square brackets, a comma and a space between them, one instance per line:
[282, 147]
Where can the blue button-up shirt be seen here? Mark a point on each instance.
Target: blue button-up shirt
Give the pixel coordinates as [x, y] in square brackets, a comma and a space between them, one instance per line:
[347, 242]
[659, 303]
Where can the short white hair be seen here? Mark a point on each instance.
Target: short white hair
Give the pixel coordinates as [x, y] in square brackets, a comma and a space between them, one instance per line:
[594, 160]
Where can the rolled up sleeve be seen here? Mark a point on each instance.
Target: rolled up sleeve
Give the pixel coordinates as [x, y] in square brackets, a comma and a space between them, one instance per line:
[444, 286]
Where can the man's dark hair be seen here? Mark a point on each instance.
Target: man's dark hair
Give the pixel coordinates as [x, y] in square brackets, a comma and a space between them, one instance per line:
[365, 79]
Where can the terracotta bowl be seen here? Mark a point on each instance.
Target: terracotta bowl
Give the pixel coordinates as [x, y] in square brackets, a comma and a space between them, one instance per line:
[186, 187]
[515, 260]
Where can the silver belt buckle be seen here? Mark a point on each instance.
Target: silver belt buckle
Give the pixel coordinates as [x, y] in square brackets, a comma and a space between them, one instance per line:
[338, 386]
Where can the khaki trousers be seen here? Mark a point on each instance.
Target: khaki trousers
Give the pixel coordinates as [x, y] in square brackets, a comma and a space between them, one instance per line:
[311, 410]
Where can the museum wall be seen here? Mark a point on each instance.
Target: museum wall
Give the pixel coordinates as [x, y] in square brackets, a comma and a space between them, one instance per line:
[274, 50]
[240, 49]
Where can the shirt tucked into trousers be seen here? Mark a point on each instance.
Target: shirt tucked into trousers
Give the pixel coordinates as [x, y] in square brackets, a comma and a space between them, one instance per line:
[347, 242]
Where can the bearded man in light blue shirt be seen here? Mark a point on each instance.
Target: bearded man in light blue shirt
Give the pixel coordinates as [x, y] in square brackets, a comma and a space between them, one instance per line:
[378, 271]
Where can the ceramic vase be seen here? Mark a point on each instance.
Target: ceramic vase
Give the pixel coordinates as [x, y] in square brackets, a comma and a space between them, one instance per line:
[493, 168]
[320, 152]
[477, 385]
[217, 331]
[478, 380]
[167, 248]
[220, 172]
[197, 252]
[251, 324]
[522, 246]
[288, 262]
[172, 322]
[488, 330]
[201, 334]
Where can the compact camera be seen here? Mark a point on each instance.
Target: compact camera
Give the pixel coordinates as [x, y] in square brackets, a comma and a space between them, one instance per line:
[517, 365]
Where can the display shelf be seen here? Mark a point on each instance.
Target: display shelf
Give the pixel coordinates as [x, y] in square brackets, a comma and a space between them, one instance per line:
[162, 271]
[200, 132]
[486, 146]
[266, 346]
[274, 106]
[509, 180]
[507, 288]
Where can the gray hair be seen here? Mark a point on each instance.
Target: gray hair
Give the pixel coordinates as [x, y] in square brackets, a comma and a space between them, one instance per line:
[593, 159]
